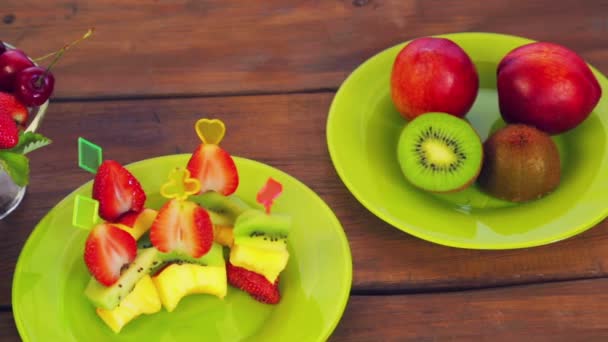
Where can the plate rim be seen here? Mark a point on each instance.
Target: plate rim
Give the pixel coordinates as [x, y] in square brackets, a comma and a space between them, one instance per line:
[340, 169]
[348, 274]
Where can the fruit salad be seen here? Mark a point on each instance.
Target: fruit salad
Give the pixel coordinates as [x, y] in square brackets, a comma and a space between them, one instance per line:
[142, 260]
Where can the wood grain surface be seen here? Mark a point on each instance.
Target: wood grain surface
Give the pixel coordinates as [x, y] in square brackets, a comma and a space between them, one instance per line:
[146, 48]
[565, 311]
[568, 311]
[384, 258]
[153, 67]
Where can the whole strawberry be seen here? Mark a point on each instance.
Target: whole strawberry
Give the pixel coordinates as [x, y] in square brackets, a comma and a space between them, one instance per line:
[9, 105]
[9, 133]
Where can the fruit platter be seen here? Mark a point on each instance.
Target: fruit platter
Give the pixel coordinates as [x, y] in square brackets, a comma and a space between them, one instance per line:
[182, 247]
[475, 140]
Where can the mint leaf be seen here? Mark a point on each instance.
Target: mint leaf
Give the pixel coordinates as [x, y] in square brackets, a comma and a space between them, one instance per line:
[30, 141]
[17, 166]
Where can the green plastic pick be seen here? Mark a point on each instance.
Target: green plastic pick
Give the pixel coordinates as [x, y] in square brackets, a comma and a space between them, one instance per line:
[89, 155]
[85, 215]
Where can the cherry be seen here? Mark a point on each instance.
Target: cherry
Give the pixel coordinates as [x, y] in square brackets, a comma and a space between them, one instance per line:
[11, 62]
[34, 86]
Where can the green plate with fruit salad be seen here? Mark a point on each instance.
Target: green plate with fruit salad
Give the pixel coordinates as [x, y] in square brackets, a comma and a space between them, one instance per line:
[363, 131]
[50, 278]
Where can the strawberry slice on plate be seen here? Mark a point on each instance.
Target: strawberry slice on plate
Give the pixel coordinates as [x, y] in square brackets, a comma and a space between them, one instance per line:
[107, 250]
[182, 226]
[214, 168]
[255, 284]
[117, 191]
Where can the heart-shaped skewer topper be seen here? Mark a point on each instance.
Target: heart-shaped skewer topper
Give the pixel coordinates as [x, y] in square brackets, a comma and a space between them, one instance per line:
[269, 192]
[210, 131]
[180, 186]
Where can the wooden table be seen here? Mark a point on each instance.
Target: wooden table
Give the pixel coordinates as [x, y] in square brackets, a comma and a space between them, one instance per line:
[155, 66]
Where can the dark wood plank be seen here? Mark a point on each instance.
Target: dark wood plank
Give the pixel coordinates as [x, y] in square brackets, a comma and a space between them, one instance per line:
[8, 330]
[385, 259]
[570, 311]
[219, 46]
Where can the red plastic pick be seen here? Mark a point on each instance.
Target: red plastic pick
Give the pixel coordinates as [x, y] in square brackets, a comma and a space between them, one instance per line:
[271, 190]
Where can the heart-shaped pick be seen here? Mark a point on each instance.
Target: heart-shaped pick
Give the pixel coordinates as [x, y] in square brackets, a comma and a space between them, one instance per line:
[180, 185]
[210, 131]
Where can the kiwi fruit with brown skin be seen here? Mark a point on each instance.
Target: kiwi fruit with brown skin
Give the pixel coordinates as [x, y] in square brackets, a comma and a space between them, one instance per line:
[521, 164]
[439, 152]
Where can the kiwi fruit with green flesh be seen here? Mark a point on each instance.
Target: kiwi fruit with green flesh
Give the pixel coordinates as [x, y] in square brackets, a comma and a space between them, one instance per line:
[521, 164]
[215, 257]
[260, 243]
[144, 241]
[228, 206]
[439, 152]
[108, 297]
[148, 261]
[256, 228]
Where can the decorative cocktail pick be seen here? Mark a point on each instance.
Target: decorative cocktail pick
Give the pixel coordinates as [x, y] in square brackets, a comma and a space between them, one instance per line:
[90, 155]
[85, 212]
[271, 190]
[180, 186]
[210, 131]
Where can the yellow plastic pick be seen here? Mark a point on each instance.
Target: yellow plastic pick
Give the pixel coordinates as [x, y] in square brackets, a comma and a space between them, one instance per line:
[210, 131]
[180, 185]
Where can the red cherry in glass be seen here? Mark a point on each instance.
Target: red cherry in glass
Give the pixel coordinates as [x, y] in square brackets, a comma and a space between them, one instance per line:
[34, 85]
[11, 62]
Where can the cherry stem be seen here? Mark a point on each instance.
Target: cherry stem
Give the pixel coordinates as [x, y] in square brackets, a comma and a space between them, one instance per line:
[58, 54]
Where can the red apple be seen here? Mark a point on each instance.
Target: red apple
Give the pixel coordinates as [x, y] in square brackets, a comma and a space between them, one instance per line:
[433, 75]
[547, 86]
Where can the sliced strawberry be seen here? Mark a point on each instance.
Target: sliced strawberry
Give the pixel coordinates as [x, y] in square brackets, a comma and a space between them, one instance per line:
[255, 284]
[214, 168]
[9, 133]
[12, 107]
[129, 219]
[117, 191]
[108, 249]
[182, 226]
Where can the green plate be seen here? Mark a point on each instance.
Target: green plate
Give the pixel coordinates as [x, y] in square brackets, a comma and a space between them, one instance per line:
[49, 305]
[362, 133]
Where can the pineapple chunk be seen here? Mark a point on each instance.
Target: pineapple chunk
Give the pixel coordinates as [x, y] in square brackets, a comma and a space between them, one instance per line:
[142, 300]
[177, 281]
[223, 235]
[142, 224]
[264, 261]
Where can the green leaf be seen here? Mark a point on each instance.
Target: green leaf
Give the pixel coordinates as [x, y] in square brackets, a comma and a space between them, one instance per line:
[17, 166]
[30, 141]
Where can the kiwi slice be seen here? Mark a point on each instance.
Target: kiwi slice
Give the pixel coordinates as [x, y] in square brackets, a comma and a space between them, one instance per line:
[439, 152]
[215, 257]
[229, 206]
[108, 297]
[260, 243]
[255, 226]
[521, 164]
[148, 261]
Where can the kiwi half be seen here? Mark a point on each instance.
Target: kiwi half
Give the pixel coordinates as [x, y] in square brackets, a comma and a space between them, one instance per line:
[439, 152]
